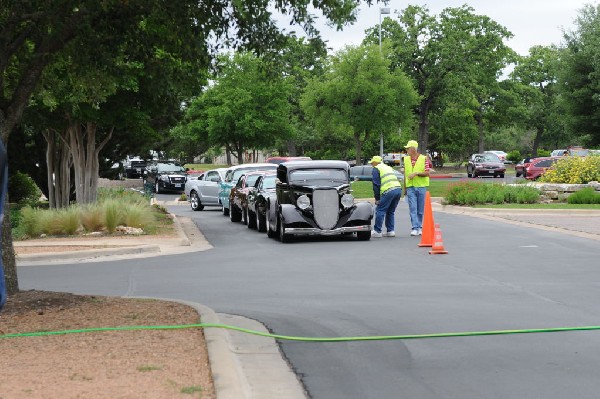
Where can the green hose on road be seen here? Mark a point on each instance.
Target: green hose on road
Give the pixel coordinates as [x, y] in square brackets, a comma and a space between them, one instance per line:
[304, 339]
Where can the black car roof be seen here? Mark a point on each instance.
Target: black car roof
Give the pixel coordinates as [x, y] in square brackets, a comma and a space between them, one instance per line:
[285, 167]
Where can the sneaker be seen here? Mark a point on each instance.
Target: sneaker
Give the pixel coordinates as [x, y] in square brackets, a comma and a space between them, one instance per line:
[390, 234]
[375, 234]
[420, 231]
[414, 232]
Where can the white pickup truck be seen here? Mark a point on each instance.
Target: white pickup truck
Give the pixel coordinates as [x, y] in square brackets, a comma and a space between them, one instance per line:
[204, 191]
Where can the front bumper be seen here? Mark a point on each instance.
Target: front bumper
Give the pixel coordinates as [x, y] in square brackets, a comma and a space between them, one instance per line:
[313, 231]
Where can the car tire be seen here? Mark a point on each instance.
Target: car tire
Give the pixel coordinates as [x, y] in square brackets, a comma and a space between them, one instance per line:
[283, 237]
[501, 175]
[244, 213]
[224, 210]
[363, 235]
[260, 222]
[474, 175]
[157, 188]
[251, 218]
[270, 233]
[234, 214]
[195, 203]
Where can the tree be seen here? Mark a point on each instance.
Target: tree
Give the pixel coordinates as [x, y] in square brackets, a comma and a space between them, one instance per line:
[538, 72]
[359, 96]
[435, 52]
[247, 107]
[580, 75]
[33, 33]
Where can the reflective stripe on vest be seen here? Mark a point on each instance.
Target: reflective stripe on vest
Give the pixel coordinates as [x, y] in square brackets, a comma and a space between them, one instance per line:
[419, 167]
[388, 177]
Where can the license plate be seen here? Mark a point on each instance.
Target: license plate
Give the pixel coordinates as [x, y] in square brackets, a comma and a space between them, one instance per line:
[490, 171]
[178, 185]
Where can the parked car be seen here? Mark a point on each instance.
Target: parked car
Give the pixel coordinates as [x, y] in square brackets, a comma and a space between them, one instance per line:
[204, 191]
[238, 196]
[264, 191]
[501, 154]
[278, 160]
[393, 158]
[538, 167]
[231, 177]
[165, 176]
[559, 153]
[487, 164]
[577, 151]
[365, 173]
[314, 198]
[115, 171]
[134, 169]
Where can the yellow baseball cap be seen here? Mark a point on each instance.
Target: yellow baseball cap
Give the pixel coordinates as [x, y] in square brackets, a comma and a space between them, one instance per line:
[412, 143]
[376, 158]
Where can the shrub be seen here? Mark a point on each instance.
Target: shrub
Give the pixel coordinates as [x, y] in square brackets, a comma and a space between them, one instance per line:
[112, 215]
[29, 223]
[514, 156]
[573, 170]
[121, 194]
[585, 196]
[471, 193]
[92, 217]
[23, 190]
[67, 220]
[137, 216]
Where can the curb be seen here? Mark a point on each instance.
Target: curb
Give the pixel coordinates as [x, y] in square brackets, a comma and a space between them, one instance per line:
[90, 253]
[244, 366]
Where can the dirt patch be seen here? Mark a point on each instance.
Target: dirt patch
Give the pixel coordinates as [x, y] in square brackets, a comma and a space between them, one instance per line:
[114, 364]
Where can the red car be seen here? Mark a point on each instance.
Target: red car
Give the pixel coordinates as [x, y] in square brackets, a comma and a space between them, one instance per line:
[538, 167]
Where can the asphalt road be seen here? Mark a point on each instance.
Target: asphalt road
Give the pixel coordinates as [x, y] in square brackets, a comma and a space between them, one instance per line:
[496, 277]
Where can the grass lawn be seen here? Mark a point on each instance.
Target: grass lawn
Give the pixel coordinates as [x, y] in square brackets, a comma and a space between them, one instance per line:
[364, 189]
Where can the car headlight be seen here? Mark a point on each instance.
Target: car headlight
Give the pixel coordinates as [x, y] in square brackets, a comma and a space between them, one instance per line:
[347, 200]
[164, 178]
[303, 202]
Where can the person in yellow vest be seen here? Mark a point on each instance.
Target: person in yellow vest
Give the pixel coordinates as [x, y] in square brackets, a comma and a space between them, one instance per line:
[387, 191]
[416, 181]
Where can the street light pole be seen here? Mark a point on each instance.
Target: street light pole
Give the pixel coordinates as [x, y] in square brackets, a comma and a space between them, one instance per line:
[383, 10]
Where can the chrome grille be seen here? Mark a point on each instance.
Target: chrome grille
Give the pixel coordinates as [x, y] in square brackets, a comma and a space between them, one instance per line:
[326, 207]
[177, 179]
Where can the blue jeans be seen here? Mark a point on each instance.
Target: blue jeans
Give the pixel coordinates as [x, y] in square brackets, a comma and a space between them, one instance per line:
[416, 205]
[387, 209]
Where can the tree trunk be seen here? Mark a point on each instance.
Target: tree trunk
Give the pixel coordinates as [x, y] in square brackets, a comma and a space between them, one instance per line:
[228, 155]
[291, 148]
[358, 148]
[536, 141]
[85, 152]
[423, 138]
[58, 161]
[479, 120]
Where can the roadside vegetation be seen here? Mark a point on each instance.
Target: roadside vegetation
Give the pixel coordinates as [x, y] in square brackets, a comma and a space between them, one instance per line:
[573, 170]
[115, 208]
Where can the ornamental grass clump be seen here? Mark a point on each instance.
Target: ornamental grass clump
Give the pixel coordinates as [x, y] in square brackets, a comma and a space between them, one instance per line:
[585, 196]
[66, 221]
[573, 170]
[470, 193]
[137, 216]
[112, 214]
[92, 217]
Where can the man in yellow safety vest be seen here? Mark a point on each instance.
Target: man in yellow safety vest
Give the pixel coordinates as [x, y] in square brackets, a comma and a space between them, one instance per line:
[416, 181]
[387, 191]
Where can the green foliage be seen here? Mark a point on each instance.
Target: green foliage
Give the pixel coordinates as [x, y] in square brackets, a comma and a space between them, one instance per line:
[92, 217]
[67, 220]
[514, 156]
[470, 193]
[137, 216]
[23, 190]
[112, 214]
[573, 170]
[543, 153]
[585, 196]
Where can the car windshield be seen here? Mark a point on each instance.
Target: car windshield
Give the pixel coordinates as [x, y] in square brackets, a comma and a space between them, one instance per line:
[238, 172]
[489, 158]
[169, 167]
[251, 180]
[323, 176]
[268, 182]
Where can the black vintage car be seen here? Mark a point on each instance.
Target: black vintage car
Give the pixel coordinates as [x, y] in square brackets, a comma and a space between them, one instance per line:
[314, 198]
[264, 189]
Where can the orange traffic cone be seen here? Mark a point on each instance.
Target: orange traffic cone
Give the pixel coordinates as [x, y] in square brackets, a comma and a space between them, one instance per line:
[438, 243]
[428, 230]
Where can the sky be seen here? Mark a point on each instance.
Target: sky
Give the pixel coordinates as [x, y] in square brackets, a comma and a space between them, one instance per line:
[532, 22]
